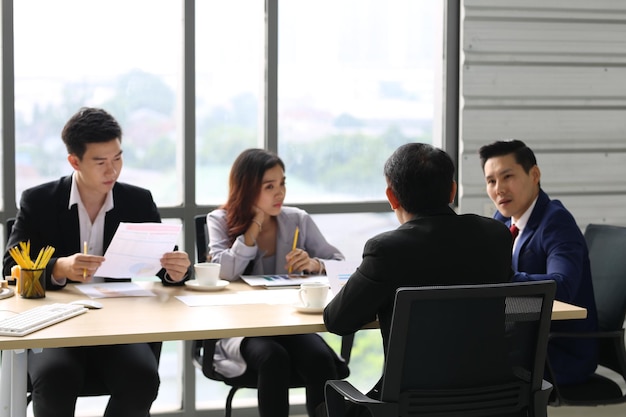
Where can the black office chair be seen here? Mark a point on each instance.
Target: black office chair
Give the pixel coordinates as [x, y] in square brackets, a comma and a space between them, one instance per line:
[202, 238]
[93, 387]
[9, 226]
[608, 271]
[466, 350]
[202, 351]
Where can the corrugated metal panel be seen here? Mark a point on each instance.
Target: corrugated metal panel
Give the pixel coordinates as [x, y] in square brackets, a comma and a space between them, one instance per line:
[553, 74]
[556, 129]
[607, 209]
[533, 84]
[587, 173]
[522, 40]
[606, 9]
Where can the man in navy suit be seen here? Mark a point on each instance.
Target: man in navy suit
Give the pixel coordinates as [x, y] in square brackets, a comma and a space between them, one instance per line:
[87, 206]
[549, 245]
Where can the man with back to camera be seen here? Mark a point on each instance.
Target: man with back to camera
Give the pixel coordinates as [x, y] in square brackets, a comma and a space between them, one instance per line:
[432, 246]
[549, 245]
[87, 206]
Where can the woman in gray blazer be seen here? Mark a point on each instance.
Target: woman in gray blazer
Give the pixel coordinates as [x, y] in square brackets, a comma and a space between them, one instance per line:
[254, 234]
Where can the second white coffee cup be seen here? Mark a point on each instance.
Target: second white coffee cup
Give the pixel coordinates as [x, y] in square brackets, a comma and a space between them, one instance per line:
[313, 294]
[207, 273]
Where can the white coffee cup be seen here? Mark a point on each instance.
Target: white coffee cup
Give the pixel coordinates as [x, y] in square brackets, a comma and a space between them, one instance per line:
[207, 273]
[313, 294]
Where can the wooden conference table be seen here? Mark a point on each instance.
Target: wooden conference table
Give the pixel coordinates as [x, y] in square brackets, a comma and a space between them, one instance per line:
[161, 317]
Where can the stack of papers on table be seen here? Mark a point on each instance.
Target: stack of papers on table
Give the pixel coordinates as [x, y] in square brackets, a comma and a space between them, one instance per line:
[286, 296]
[114, 290]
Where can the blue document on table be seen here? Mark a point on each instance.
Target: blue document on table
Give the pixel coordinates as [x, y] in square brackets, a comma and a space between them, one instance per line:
[282, 280]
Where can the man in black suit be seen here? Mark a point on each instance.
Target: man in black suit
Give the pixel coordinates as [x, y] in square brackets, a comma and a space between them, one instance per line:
[87, 207]
[432, 246]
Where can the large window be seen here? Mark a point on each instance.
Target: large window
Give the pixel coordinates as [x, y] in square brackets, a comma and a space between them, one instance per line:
[332, 86]
[124, 56]
[355, 80]
[230, 64]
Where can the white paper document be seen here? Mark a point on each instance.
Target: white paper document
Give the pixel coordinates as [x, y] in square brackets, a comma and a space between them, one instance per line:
[286, 296]
[114, 290]
[338, 273]
[136, 249]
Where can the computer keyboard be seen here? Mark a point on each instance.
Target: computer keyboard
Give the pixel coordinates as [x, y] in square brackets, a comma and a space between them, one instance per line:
[37, 318]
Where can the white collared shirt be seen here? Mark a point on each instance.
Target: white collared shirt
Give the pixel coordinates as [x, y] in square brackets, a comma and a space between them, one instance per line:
[522, 221]
[92, 233]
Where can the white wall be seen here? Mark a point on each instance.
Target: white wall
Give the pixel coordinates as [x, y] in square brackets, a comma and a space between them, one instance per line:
[553, 74]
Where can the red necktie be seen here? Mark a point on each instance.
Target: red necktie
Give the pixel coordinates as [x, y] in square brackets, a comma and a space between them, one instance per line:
[514, 231]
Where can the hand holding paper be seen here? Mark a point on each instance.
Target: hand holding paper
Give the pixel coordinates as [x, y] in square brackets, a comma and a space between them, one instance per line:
[137, 249]
[176, 264]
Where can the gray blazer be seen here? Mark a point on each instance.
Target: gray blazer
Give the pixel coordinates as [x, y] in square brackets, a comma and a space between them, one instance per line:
[237, 259]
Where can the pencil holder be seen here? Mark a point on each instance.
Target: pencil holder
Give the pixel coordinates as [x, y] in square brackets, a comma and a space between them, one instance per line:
[33, 283]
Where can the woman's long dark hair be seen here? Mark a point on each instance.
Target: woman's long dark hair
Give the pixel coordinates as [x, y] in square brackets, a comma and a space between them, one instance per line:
[244, 188]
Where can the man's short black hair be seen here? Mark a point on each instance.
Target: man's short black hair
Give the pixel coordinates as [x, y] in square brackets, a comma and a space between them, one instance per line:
[421, 176]
[89, 125]
[522, 153]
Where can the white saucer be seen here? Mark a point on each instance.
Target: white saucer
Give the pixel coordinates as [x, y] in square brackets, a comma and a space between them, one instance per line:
[311, 310]
[6, 292]
[195, 285]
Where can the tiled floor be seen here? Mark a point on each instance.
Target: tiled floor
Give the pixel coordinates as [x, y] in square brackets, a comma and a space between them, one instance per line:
[601, 411]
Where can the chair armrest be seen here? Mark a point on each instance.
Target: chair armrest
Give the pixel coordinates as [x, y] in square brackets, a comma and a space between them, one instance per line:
[541, 399]
[196, 353]
[346, 347]
[202, 352]
[588, 335]
[208, 351]
[338, 391]
[611, 348]
[348, 391]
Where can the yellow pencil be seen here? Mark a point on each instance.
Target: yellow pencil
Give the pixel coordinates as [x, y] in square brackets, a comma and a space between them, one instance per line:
[85, 252]
[41, 252]
[45, 258]
[295, 242]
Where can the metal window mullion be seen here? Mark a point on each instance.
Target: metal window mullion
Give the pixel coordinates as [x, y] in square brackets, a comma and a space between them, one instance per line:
[271, 76]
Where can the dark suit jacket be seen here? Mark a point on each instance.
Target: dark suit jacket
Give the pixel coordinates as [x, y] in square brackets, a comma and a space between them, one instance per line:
[436, 248]
[45, 219]
[552, 246]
